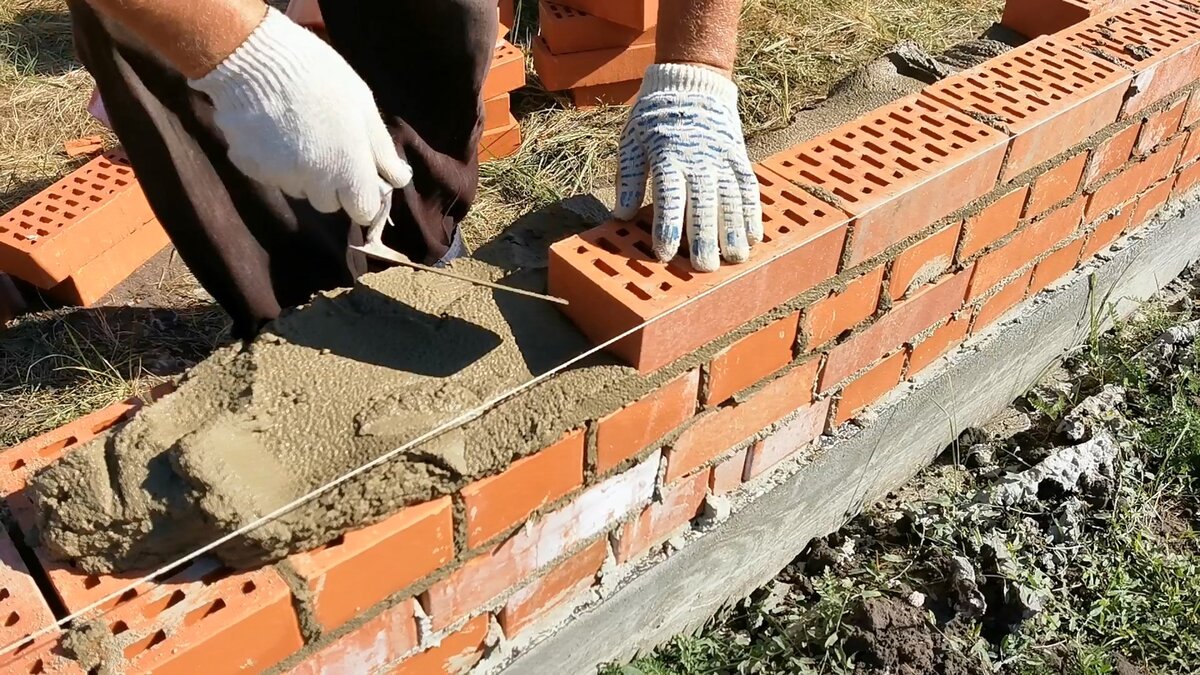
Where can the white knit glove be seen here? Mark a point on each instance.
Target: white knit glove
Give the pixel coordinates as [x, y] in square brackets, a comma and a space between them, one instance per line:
[685, 134]
[297, 117]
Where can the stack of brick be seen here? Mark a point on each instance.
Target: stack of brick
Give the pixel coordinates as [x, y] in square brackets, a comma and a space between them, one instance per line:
[501, 132]
[79, 238]
[596, 49]
[890, 240]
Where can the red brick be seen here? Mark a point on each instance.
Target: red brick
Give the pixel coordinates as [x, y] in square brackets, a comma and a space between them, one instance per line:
[1056, 266]
[1187, 181]
[838, 313]
[1056, 185]
[993, 223]
[1030, 243]
[43, 657]
[554, 589]
[657, 522]
[456, 654]
[1050, 95]
[711, 435]
[1150, 202]
[635, 427]
[937, 343]
[497, 112]
[613, 282]
[500, 143]
[924, 262]
[567, 30]
[640, 14]
[617, 93]
[375, 644]
[727, 476]
[751, 359]
[788, 440]
[905, 320]
[1001, 302]
[99, 276]
[560, 72]
[54, 233]
[507, 72]
[1033, 18]
[870, 386]
[1111, 154]
[480, 580]
[365, 566]
[1167, 33]
[1159, 126]
[1191, 151]
[195, 623]
[1191, 113]
[898, 169]
[22, 606]
[88, 145]
[1107, 231]
[1133, 181]
[496, 504]
[508, 13]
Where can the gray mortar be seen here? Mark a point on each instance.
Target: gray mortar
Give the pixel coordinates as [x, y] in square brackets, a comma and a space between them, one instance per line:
[351, 376]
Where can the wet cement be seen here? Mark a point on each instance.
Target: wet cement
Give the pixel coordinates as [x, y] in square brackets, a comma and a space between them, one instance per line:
[355, 374]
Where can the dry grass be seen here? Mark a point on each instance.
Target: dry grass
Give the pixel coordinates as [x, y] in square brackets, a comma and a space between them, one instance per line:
[56, 366]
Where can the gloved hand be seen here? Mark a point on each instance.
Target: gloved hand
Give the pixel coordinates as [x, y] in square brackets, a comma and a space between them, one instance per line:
[685, 134]
[297, 117]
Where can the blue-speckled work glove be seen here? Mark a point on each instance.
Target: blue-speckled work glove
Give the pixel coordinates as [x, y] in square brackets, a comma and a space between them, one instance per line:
[684, 134]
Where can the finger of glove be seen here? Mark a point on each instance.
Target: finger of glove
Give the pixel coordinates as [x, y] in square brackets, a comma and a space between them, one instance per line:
[363, 201]
[631, 176]
[670, 207]
[731, 221]
[392, 168]
[751, 198]
[701, 220]
[324, 199]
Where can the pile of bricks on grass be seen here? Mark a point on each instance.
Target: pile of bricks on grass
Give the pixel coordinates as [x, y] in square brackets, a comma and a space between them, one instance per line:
[596, 49]
[891, 239]
[79, 238]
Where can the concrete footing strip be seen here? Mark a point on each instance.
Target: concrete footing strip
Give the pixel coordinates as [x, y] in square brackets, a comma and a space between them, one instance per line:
[731, 559]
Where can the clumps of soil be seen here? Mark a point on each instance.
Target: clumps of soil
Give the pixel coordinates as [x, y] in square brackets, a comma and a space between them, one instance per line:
[893, 636]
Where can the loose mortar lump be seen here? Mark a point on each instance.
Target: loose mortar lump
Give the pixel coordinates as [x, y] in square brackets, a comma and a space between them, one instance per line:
[326, 389]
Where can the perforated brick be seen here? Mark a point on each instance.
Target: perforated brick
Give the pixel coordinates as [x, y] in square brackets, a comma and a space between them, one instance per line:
[60, 229]
[613, 282]
[567, 30]
[1156, 39]
[1048, 95]
[507, 72]
[1034, 18]
[96, 278]
[23, 610]
[898, 169]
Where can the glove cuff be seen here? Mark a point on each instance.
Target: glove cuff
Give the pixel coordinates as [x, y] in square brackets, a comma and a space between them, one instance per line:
[261, 69]
[688, 79]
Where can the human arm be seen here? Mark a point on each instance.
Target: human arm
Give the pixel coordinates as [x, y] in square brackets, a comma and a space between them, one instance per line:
[684, 138]
[294, 114]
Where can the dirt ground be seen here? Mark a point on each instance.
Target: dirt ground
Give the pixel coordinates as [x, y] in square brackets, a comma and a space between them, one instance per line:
[1059, 538]
[58, 364]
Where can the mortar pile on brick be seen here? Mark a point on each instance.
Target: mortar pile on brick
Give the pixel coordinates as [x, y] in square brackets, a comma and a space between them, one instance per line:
[596, 49]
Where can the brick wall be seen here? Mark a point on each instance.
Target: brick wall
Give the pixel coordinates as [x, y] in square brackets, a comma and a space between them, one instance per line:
[892, 239]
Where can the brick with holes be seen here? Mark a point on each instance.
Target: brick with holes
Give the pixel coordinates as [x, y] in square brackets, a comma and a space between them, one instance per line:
[937, 343]
[727, 475]
[553, 590]
[639, 14]
[507, 72]
[1107, 230]
[614, 283]
[680, 503]
[1191, 150]
[1056, 265]
[923, 262]
[24, 611]
[1189, 178]
[1056, 185]
[1157, 40]
[455, 654]
[567, 30]
[204, 619]
[789, 439]
[897, 169]
[1048, 95]
[50, 236]
[500, 143]
[365, 566]
[1131, 182]
[100, 275]
[1034, 18]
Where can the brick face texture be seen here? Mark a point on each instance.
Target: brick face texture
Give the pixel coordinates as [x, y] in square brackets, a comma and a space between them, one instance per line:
[890, 240]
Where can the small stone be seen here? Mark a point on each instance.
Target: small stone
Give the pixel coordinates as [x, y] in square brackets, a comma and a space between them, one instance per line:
[916, 599]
